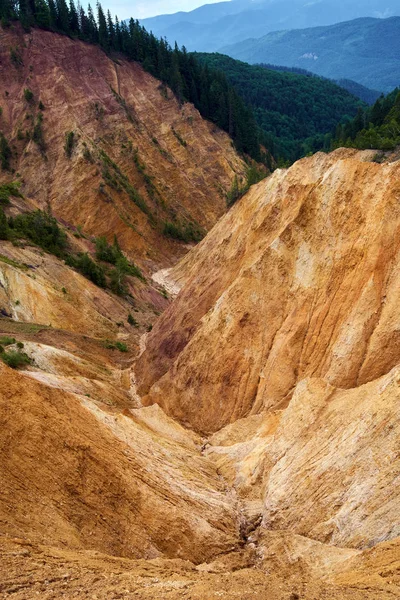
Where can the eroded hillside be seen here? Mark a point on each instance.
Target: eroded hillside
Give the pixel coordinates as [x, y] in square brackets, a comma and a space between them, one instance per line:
[107, 147]
[247, 446]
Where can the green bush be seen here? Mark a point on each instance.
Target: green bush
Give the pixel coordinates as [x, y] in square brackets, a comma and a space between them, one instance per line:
[37, 134]
[28, 95]
[105, 252]
[88, 268]
[69, 143]
[132, 321]
[42, 229]
[5, 153]
[4, 229]
[7, 341]
[190, 232]
[121, 346]
[15, 359]
[7, 190]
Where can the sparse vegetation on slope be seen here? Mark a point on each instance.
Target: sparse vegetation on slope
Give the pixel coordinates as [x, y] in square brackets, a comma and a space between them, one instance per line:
[206, 88]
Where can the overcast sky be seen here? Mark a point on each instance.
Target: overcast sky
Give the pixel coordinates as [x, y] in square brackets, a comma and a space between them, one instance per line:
[139, 9]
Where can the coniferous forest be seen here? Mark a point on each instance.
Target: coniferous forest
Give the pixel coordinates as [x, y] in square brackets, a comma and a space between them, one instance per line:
[190, 81]
[377, 126]
[295, 112]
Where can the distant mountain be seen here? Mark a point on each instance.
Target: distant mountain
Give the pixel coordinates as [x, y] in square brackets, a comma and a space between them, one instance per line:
[364, 50]
[295, 111]
[212, 26]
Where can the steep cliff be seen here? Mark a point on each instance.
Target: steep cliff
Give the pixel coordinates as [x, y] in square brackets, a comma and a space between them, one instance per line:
[286, 333]
[252, 449]
[107, 147]
[300, 279]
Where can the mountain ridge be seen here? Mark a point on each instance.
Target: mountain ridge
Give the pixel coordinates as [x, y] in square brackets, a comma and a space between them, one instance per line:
[243, 20]
[346, 50]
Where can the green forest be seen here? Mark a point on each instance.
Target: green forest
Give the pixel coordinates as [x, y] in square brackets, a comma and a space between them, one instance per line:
[377, 126]
[297, 113]
[208, 89]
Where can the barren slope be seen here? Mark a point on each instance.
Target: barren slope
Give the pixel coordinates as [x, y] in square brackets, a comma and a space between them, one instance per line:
[131, 137]
[299, 279]
[287, 333]
[282, 347]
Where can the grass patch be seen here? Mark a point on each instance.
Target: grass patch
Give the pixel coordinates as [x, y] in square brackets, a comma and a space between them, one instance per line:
[15, 358]
[7, 340]
[189, 232]
[121, 346]
[12, 263]
[7, 190]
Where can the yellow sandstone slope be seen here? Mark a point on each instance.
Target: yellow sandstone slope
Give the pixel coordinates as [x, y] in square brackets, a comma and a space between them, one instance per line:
[252, 449]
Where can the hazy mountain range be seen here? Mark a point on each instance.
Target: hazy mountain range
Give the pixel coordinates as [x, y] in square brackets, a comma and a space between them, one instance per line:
[365, 50]
[213, 26]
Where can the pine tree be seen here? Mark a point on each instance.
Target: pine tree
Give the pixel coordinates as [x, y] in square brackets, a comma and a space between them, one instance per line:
[53, 17]
[62, 16]
[93, 32]
[42, 14]
[73, 18]
[110, 30]
[102, 27]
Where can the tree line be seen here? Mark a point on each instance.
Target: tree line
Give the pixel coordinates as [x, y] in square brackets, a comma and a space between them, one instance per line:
[208, 89]
[296, 113]
[377, 126]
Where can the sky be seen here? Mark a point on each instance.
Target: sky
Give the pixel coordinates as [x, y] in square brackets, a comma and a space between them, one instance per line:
[139, 9]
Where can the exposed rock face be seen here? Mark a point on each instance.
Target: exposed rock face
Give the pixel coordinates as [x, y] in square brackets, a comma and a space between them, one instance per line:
[300, 279]
[132, 485]
[287, 328]
[282, 346]
[114, 108]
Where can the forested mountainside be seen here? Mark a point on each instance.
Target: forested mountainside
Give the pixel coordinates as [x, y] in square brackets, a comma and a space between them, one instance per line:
[212, 26]
[209, 91]
[297, 113]
[364, 50]
[377, 126]
[358, 90]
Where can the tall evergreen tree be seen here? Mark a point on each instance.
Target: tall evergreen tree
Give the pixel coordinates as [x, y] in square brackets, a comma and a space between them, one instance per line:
[73, 18]
[62, 16]
[102, 27]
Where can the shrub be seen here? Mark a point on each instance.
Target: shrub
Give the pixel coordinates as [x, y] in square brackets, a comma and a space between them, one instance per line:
[37, 134]
[7, 341]
[5, 153]
[121, 346]
[88, 268]
[69, 143]
[132, 321]
[7, 190]
[42, 229]
[190, 232]
[15, 359]
[16, 57]
[28, 95]
[106, 252]
[4, 229]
